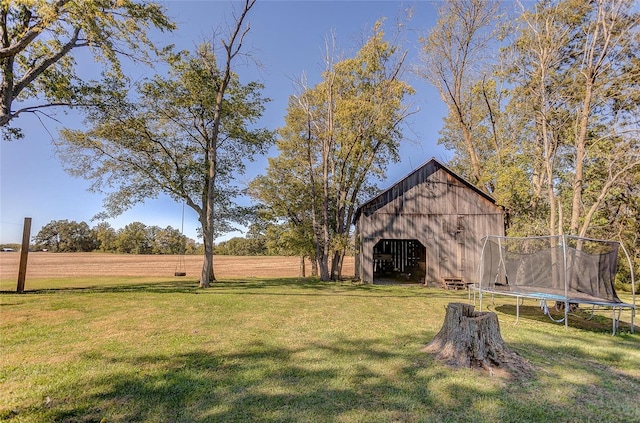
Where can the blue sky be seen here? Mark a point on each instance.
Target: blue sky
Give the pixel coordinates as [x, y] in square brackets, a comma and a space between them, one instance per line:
[287, 37]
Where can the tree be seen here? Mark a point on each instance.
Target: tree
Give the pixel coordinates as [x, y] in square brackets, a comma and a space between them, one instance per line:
[105, 236]
[454, 56]
[287, 211]
[66, 236]
[133, 239]
[608, 41]
[552, 131]
[293, 239]
[577, 73]
[49, 236]
[36, 43]
[187, 135]
[339, 135]
[239, 246]
[169, 241]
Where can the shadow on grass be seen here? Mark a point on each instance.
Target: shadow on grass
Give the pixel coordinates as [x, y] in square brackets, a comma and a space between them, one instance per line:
[168, 287]
[299, 286]
[579, 319]
[267, 383]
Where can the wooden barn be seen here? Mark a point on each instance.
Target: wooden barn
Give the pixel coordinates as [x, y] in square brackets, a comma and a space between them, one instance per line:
[427, 228]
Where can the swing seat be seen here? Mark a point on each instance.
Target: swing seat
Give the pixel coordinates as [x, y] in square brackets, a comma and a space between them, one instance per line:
[180, 274]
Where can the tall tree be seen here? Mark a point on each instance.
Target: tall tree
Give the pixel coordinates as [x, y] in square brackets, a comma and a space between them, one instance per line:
[169, 241]
[344, 131]
[608, 40]
[455, 58]
[187, 135]
[133, 239]
[36, 43]
[577, 74]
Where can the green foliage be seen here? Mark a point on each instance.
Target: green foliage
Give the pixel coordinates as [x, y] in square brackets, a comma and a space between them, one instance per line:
[168, 241]
[239, 246]
[105, 237]
[134, 238]
[575, 74]
[187, 134]
[291, 240]
[549, 127]
[456, 56]
[339, 136]
[290, 205]
[37, 67]
[66, 236]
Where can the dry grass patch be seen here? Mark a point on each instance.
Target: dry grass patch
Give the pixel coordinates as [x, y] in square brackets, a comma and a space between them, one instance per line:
[75, 265]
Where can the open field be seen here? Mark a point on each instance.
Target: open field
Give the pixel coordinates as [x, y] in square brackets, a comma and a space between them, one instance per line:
[73, 265]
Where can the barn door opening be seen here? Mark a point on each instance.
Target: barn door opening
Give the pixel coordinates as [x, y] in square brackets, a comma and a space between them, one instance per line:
[399, 261]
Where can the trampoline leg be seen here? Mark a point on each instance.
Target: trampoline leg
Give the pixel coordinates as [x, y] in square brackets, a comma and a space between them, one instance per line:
[593, 312]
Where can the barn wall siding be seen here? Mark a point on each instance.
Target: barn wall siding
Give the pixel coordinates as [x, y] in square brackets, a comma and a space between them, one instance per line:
[439, 210]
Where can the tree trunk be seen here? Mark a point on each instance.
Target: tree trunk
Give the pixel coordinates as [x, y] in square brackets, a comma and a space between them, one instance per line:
[207, 276]
[472, 339]
[336, 265]
[303, 272]
[323, 265]
[314, 266]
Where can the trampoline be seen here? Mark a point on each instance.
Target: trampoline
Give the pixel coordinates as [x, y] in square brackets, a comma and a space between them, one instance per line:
[563, 269]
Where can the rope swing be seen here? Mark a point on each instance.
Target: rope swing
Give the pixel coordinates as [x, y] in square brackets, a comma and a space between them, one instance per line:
[180, 266]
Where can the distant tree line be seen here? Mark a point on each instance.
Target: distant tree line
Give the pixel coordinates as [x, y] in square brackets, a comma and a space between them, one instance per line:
[240, 246]
[134, 238]
[138, 238]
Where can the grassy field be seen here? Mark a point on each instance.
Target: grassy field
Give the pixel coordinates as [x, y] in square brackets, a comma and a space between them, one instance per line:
[154, 349]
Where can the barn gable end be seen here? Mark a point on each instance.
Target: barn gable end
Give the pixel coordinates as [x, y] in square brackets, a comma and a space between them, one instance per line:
[425, 228]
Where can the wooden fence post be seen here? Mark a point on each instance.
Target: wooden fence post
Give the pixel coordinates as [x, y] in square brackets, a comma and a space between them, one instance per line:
[24, 254]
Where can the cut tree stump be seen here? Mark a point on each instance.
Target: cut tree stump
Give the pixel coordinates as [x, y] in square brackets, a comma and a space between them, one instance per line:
[472, 339]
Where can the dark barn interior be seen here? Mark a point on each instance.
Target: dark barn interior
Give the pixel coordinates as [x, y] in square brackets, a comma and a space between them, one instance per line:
[399, 261]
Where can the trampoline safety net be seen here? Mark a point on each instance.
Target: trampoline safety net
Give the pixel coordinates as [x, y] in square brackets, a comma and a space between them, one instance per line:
[567, 266]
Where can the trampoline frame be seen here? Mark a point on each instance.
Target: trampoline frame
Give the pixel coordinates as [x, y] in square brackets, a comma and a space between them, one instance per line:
[543, 297]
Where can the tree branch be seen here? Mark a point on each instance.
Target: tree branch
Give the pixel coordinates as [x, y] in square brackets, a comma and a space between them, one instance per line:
[32, 74]
[31, 33]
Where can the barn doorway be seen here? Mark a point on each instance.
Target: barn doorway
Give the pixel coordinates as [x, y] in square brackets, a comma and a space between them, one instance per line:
[399, 261]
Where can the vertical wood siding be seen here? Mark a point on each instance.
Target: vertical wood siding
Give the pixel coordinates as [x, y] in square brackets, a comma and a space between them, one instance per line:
[436, 208]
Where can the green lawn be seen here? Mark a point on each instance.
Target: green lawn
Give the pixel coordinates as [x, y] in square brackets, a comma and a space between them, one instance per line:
[261, 350]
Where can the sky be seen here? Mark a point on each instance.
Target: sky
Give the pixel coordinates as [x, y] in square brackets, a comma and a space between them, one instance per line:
[288, 38]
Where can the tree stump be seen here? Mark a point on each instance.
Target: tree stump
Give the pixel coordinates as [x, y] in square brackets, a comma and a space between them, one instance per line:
[472, 339]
